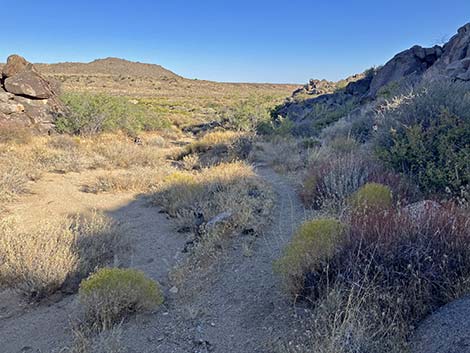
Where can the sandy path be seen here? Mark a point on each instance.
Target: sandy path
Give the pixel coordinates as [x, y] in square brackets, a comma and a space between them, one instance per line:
[242, 308]
[45, 328]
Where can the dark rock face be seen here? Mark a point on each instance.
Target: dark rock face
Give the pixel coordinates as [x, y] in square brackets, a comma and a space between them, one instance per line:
[410, 65]
[26, 98]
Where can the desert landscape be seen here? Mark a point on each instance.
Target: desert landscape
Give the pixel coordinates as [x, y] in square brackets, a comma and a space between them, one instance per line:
[142, 211]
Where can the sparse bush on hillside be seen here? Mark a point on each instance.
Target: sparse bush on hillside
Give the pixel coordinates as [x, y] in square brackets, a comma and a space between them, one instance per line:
[427, 137]
[111, 294]
[94, 113]
[13, 179]
[55, 255]
[314, 244]
[390, 272]
[330, 179]
[247, 115]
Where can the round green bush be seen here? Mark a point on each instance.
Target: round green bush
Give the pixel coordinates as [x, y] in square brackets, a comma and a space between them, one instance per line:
[110, 294]
[314, 243]
[372, 196]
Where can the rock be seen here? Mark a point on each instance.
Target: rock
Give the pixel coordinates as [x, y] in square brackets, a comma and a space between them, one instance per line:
[30, 84]
[219, 218]
[409, 64]
[27, 99]
[174, 290]
[15, 65]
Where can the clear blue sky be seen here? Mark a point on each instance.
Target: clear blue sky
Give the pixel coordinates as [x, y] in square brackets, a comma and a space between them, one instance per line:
[237, 40]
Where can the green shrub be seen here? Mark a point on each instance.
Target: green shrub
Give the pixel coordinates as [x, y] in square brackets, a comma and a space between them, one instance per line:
[427, 136]
[110, 294]
[372, 196]
[94, 113]
[314, 243]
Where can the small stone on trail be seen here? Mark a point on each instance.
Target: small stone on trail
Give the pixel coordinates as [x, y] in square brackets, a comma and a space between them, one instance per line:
[174, 290]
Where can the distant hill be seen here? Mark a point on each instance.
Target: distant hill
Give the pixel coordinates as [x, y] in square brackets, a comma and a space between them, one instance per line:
[109, 67]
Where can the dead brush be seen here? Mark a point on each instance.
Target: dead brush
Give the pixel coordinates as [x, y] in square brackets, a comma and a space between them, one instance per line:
[390, 272]
[56, 255]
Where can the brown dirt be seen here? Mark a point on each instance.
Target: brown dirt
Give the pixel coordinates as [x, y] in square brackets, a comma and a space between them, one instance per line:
[240, 309]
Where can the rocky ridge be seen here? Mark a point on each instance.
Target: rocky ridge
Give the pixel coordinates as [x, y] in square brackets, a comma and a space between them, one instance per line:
[406, 69]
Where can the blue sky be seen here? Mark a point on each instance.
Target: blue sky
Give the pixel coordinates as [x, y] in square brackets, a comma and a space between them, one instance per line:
[238, 40]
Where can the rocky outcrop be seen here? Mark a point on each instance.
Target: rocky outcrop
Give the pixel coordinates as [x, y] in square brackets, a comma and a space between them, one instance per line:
[26, 98]
[406, 69]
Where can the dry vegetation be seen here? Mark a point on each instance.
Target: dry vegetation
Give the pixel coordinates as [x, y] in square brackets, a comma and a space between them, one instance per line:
[57, 254]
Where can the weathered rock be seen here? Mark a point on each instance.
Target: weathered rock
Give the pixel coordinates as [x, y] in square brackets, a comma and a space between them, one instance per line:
[15, 65]
[26, 98]
[30, 84]
[409, 64]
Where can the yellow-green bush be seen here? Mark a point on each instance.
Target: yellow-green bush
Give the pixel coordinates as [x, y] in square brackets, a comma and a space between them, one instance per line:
[372, 196]
[110, 294]
[314, 242]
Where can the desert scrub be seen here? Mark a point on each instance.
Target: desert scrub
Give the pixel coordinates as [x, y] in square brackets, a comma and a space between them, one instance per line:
[314, 244]
[392, 271]
[94, 113]
[10, 133]
[136, 180]
[56, 255]
[227, 187]
[13, 178]
[218, 146]
[111, 294]
[427, 137]
[371, 196]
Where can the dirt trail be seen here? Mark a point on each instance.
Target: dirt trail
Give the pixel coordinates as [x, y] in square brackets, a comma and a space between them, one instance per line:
[241, 309]
[45, 328]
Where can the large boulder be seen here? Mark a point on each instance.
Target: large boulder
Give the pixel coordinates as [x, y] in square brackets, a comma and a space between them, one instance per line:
[408, 65]
[15, 65]
[28, 83]
[27, 98]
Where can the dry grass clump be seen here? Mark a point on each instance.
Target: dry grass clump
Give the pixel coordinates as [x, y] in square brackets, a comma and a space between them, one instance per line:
[56, 255]
[10, 133]
[111, 294]
[216, 147]
[228, 187]
[136, 180]
[13, 179]
[284, 154]
[390, 271]
[93, 340]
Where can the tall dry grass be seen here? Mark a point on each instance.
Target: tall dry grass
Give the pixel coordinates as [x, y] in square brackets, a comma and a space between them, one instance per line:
[56, 254]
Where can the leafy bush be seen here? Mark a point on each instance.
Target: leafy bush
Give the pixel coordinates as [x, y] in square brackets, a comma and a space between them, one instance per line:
[391, 271]
[314, 243]
[372, 196]
[110, 294]
[56, 255]
[94, 113]
[427, 137]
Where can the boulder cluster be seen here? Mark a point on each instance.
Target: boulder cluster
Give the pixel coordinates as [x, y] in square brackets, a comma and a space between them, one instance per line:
[27, 99]
[406, 69]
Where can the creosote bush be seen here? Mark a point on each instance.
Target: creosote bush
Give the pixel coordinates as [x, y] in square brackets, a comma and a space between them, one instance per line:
[314, 244]
[56, 255]
[94, 113]
[111, 294]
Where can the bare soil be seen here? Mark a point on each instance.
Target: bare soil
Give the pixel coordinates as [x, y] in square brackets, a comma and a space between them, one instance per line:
[241, 307]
